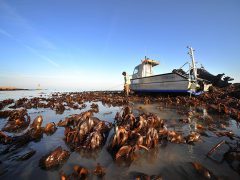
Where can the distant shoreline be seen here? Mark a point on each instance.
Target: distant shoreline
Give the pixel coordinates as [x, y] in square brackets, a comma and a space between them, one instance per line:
[16, 89]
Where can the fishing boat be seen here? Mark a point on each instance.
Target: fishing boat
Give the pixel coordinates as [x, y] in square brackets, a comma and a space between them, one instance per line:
[177, 81]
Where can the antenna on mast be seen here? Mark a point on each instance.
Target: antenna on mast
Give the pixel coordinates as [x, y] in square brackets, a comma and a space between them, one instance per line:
[191, 50]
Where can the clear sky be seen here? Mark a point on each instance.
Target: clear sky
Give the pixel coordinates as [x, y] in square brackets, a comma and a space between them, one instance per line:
[86, 44]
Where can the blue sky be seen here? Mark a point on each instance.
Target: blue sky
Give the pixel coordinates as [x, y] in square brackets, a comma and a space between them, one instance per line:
[79, 44]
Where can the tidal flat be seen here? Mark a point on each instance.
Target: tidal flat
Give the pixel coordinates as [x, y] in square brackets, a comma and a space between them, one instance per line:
[103, 134]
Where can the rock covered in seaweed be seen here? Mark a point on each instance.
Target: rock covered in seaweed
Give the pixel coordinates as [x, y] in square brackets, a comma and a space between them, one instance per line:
[54, 159]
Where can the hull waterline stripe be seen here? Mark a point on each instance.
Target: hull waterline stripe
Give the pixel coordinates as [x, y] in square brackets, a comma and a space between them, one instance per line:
[168, 91]
[158, 82]
[161, 75]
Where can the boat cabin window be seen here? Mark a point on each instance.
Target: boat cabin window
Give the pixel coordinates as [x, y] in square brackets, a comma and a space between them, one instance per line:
[135, 70]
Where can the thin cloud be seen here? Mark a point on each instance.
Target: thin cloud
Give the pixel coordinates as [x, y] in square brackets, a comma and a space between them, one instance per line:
[31, 49]
[22, 24]
[5, 33]
[51, 61]
[34, 51]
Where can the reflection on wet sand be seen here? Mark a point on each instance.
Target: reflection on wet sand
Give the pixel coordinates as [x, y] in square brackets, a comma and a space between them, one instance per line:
[103, 134]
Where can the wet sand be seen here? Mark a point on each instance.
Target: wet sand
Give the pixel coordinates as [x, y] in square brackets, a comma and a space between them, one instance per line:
[211, 115]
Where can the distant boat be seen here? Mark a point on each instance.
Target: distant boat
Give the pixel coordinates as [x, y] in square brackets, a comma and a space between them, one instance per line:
[177, 81]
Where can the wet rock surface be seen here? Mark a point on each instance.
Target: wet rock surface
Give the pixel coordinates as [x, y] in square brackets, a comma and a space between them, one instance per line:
[17, 121]
[86, 131]
[26, 155]
[5, 103]
[123, 134]
[54, 158]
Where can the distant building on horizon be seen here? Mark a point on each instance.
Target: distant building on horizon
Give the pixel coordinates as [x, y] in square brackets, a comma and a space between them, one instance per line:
[39, 87]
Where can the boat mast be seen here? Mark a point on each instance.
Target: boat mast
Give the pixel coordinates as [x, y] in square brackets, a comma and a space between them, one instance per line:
[193, 63]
